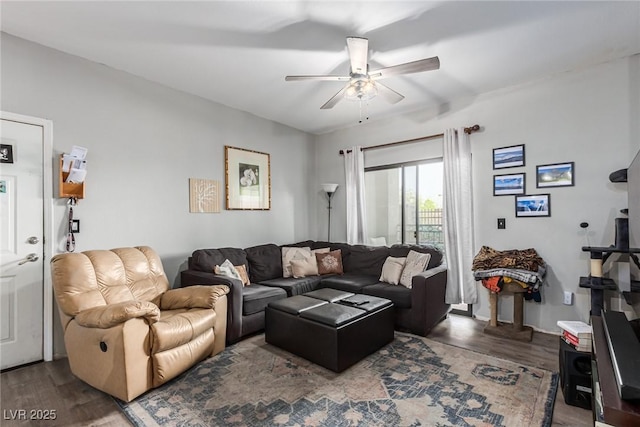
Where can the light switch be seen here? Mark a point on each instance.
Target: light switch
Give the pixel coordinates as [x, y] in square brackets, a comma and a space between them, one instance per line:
[502, 223]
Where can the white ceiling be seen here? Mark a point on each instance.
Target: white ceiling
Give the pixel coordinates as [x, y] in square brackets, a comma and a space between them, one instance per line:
[238, 52]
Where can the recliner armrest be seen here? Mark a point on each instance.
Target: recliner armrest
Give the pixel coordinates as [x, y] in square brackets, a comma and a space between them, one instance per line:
[107, 316]
[198, 296]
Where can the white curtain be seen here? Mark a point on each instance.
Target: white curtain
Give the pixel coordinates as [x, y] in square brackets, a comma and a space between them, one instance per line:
[356, 215]
[458, 218]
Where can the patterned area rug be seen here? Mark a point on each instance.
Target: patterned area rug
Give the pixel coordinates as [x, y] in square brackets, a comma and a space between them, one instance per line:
[413, 381]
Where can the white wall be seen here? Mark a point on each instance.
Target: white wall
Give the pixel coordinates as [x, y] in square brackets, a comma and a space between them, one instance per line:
[145, 141]
[589, 117]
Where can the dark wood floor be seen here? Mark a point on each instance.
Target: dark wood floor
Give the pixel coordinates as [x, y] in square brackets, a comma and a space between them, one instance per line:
[51, 386]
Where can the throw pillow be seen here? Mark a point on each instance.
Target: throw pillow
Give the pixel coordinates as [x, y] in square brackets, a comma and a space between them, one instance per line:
[244, 276]
[416, 263]
[304, 267]
[227, 269]
[307, 266]
[392, 270]
[330, 263]
[291, 253]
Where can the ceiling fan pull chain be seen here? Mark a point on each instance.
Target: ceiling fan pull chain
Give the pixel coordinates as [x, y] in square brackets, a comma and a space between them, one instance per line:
[360, 110]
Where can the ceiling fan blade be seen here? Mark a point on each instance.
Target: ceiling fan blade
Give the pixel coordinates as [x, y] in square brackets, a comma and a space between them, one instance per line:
[334, 99]
[389, 94]
[358, 50]
[326, 78]
[407, 68]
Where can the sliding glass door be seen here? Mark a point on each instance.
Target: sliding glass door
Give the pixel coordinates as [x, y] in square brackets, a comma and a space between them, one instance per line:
[404, 203]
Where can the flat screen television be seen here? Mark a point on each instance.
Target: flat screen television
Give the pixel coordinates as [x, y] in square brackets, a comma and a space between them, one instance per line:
[633, 186]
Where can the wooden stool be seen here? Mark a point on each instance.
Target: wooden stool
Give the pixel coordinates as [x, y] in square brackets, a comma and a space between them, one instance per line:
[516, 331]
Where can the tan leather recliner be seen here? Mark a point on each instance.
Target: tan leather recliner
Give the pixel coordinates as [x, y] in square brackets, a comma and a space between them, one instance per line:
[125, 331]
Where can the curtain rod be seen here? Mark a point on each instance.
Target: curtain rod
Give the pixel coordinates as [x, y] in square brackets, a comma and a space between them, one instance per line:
[468, 131]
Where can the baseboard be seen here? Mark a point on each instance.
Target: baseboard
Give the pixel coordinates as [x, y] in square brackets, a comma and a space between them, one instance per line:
[558, 333]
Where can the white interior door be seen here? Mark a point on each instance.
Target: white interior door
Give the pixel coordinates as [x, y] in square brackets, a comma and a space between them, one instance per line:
[21, 243]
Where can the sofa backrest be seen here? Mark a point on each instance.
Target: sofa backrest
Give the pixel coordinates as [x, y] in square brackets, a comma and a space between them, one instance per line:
[206, 259]
[368, 260]
[398, 250]
[90, 279]
[265, 262]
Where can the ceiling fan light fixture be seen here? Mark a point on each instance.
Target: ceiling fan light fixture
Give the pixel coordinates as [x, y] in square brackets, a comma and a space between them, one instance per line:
[362, 89]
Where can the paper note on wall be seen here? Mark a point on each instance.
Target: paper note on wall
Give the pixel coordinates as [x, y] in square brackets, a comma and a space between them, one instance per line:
[76, 175]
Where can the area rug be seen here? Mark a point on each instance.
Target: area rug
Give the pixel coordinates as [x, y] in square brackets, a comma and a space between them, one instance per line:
[413, 381]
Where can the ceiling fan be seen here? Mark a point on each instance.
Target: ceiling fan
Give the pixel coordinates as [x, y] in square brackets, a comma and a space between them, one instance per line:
[364, 84]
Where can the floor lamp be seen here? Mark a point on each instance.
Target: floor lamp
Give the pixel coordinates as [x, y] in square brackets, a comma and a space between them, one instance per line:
[330, 189]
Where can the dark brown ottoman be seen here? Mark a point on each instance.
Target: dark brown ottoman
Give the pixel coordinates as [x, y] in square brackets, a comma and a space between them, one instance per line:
[334, 329]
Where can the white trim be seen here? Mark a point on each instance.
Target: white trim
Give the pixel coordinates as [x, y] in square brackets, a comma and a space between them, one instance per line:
[47, 178]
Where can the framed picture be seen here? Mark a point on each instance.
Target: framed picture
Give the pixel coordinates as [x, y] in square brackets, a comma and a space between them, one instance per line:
[204, 195]
[6, 153]
[247, 179]
[555, 175]
[508, 157]
[505, 185]
[533, 205]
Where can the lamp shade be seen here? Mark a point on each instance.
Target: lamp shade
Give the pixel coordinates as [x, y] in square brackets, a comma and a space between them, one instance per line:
[329, 188]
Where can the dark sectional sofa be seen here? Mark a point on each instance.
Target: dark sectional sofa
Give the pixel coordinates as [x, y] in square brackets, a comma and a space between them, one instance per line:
[417, 310]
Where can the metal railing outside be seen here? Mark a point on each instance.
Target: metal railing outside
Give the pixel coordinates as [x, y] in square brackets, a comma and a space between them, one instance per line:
[430, 230]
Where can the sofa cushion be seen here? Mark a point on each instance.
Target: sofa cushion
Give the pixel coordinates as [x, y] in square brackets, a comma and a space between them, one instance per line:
[291, 253]
[367, 260]
[416, 263]
[304, 267]
[329, 262]
[294, 285]
[206, 259]
[244, 275]
[229, 270]
[403, 250]
[392, 270]
[400, 295]
[265, 262]
[345, 248]
[256, 297]
[348, 282]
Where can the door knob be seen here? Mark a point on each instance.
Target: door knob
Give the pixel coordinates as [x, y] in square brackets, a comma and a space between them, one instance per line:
[33, 240]
[29, 258]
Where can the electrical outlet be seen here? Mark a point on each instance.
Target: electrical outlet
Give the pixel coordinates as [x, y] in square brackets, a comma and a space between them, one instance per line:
[568, 298]
[502, 223]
